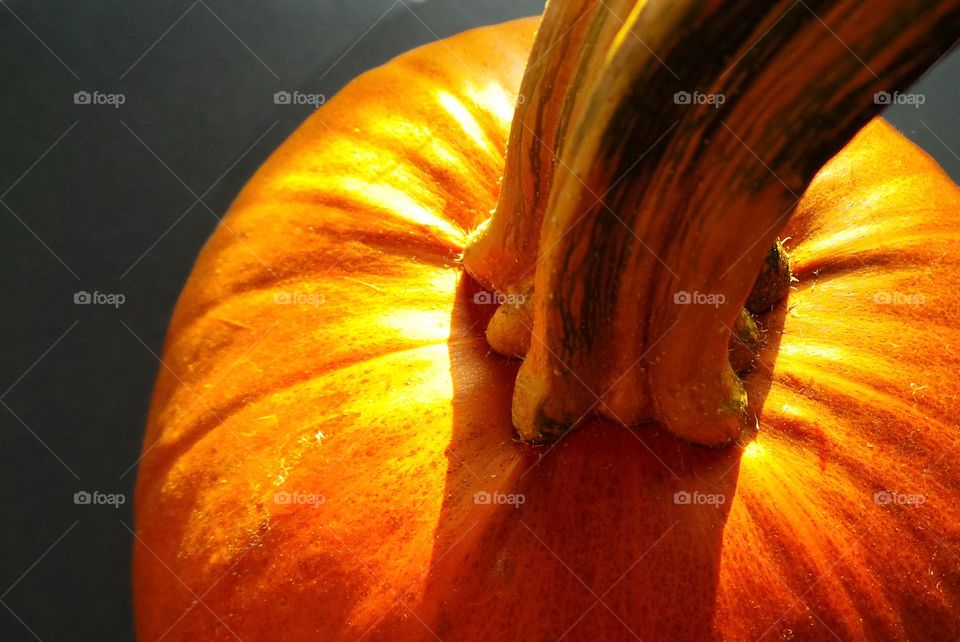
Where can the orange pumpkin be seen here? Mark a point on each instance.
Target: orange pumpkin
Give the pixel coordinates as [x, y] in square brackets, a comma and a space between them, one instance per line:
[330, 451]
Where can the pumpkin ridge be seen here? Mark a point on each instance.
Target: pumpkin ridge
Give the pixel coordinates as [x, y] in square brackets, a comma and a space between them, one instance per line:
[802, 373]
[186, 316]
[244, 308]
[164, 455]
[821, 449]
[444, 167]
[917, 242]
[403, 228]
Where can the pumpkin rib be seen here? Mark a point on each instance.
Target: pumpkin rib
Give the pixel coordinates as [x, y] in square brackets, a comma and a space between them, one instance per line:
[209, 419]
[435, 180]
[165, 455]
[363, 110]
[852, 369]
[454, 167]
[851, 258]
[185, 319]
[385, 207]
[932, 449]
[369, 101]
[443, 176]
[805, 437]
[793, 515]
[403, 290]
[842, 598]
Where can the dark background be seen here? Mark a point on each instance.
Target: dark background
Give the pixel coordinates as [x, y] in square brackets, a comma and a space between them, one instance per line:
[120, 200]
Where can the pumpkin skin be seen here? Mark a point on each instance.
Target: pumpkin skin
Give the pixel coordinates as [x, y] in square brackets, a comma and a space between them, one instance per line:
[386, 401]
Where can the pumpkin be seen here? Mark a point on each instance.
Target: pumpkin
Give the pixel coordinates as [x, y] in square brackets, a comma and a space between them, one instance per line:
[332, 453]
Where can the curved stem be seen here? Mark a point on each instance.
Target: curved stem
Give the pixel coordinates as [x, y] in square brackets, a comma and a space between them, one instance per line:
[503, 252]
[691, 131]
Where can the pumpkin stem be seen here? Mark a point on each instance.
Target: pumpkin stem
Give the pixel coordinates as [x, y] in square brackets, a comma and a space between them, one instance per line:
[658, 152]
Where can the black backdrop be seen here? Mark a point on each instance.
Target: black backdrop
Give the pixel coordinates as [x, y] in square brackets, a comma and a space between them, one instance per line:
[118, 200]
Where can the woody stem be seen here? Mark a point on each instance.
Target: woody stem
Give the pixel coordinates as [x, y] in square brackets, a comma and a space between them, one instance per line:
[659, 151]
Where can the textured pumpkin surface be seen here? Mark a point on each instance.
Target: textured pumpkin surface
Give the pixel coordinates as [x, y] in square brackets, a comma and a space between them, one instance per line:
[380, 412]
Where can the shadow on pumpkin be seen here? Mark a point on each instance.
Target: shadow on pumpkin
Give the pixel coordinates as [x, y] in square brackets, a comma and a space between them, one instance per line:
[610, 533]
